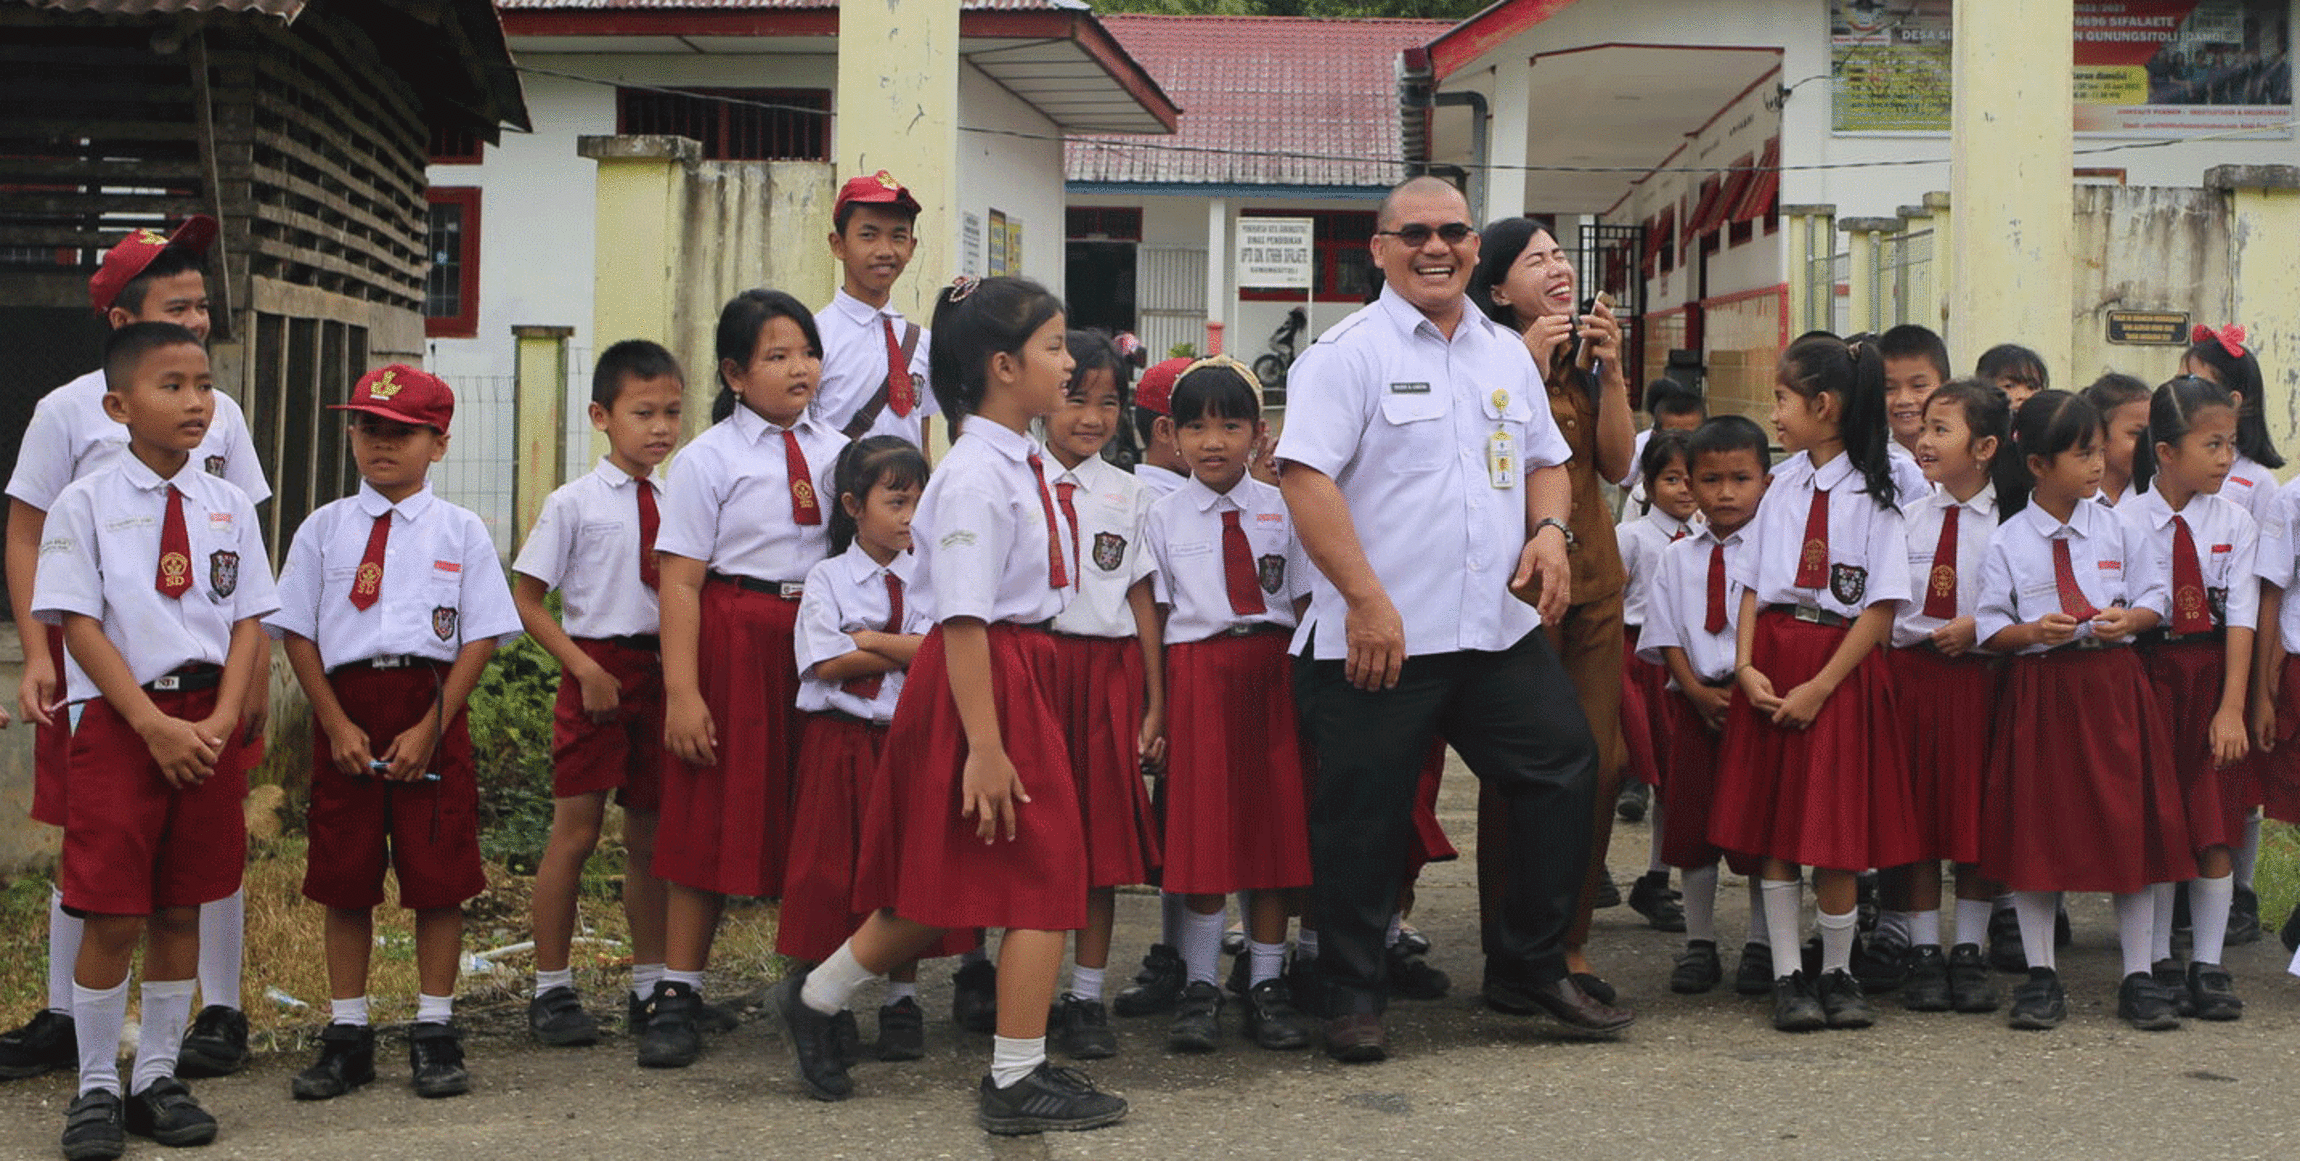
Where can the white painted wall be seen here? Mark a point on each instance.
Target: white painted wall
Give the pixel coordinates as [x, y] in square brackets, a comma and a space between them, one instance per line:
[1021, 177]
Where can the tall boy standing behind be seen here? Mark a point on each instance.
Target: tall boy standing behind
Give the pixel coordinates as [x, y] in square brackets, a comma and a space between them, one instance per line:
[155, 573]
[595, 543]
[391, 603]
[874, 360]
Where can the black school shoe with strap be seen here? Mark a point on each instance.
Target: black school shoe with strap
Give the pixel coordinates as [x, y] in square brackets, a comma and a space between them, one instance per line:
[2146, 1004]
[2243, 917]
[1970, 989]
[813, 1041]
[166, 1112]
[1926, 986]
[346, 1061]
[1412, 977]
[2005, 951]
[435, 1060]
[217, 1045]
[1697, 969]
[1795, 1006]
[2212, 991]
[1753, 976]
[901, 1030]
[974, 997]
[1843, 1004]
[44, 1044]
[1662, 905]
[95, 1127]
[1079, 1028]
[2174, 984]
[2039, 1003]
[557, 1019]
[1156, 987]
[1197, 1020]
[1048, 1100]
[669, 1039]
[1272, 1021]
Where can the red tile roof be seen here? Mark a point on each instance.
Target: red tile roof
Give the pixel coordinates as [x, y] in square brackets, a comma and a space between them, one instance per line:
[1273, 101]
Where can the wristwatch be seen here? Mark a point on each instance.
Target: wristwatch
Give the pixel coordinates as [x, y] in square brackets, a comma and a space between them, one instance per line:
[1553, 522]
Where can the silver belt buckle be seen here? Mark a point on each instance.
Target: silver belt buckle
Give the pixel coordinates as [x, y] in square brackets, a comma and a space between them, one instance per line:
[166, 683]
[793, 590]
[389, 661]
[1810, 614]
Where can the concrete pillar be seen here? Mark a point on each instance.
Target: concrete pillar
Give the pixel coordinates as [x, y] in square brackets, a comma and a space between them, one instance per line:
[1913, 280]
[1944, 243]
[2264, 250]
[541, 394]
[639, 286]
[898, 111]
[1865, 298]
[1219, 296]
[2010, 165]
[1812, 234]
[1509, 137]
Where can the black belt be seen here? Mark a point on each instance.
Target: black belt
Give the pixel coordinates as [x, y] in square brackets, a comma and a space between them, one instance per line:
[1811, 615]
[394, 661]
[2168, 637]
[189, 679]
[1045, 626]
[787, 590]
[648, 642]
[1254, 629]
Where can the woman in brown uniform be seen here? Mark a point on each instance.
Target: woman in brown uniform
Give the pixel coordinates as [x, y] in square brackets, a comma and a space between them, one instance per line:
[1526, 281]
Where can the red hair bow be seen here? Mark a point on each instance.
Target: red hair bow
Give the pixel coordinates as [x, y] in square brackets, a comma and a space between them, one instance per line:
[2230, 338]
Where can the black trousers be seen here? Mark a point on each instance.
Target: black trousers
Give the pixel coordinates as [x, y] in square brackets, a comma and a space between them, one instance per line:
[1515, 720]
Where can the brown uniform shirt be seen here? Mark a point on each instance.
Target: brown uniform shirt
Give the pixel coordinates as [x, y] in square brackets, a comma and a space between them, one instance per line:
[1596, 558]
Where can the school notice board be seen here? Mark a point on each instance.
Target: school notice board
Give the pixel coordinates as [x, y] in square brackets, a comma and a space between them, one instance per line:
[2143, 68]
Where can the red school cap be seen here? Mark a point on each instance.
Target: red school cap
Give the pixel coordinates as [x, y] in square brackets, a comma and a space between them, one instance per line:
[123, 262]
[878, 189]
[405, 394]
[1156, 389]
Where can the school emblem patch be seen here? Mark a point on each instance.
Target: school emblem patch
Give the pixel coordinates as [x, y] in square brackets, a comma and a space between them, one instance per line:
[1847, 583]
[443, 621]
[367, 580]
[1816, 554]
[1944, 581]
[215, 465]
[803, 499]
[385, 387]
[2188, 603]
[1109, 551]
[173, 567]
[1271, 570]
[223, 572]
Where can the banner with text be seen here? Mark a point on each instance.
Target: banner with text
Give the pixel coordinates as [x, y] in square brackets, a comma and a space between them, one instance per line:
[1276, 253]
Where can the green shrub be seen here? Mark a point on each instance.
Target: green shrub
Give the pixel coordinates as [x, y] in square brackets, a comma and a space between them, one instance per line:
[511, 752]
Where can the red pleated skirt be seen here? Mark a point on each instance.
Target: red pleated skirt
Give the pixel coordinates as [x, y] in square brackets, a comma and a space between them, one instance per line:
[1835, 794]
[838, 762]
[2080, 784]
[727, 827]
[1098, 694]
[2187, 677]
[1947, 704]
[2276, 774]
[1236, 782]
[1645, 726]
[1693, 748]
[920, 857]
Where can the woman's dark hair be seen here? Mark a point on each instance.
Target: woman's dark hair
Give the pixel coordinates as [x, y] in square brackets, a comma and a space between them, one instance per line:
[2014, 360]
[1667, 444]
[972, 322]
[2240, 374]
[2171, 412]
[1499, 246]
[1723, 434]
[1987, 412]
[1853, 371]
[871, 462]
[1093, 351]
[740, 322]
[2049, 423]
[1216, 391]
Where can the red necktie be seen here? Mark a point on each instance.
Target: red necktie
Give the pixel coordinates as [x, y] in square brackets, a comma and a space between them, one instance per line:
[1056, 578]
[1063, 491]
[175, 575]
[1813, 565]
[805, 508]
[1678, 535]
[1238, 569]
[1716, 621]
[2072, 599]
[2190, 613]
[867, 688]
[899, 395]
[367, 583]
[1941, 583]
[649, 521]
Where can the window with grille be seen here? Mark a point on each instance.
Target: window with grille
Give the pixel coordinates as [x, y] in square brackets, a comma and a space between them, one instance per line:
[451, 290]
[733, 124]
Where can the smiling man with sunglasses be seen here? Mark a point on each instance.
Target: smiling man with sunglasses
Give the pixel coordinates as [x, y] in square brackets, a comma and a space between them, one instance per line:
[1425, 478]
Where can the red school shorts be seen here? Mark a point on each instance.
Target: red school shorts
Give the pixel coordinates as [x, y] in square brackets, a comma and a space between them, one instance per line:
[624, 754]
[133, 844]
[427, 833]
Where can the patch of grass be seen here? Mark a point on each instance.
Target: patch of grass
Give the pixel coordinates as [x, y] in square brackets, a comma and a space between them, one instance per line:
[2277, 879]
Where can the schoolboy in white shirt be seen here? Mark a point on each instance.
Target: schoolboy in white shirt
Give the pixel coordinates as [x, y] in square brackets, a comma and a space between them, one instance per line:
[874, 360]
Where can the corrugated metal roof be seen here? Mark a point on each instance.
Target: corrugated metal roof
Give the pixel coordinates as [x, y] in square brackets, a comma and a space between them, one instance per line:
[284, 9]
[1248, 85]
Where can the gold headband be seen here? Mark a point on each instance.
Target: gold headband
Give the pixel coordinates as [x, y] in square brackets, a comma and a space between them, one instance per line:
[1244, 372]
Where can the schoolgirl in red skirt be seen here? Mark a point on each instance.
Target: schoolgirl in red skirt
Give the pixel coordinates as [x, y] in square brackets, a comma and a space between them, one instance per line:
[1670, 516]
[972, 820]
[1946, 687]
[1812, 771]
[2063, 593]
[742, 523]
[1109, 687]
[2274, 717]
[2199, 662]
[1228, 572]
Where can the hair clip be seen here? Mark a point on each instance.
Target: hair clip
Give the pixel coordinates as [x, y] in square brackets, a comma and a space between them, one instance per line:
[1244, 372]
[2230, 338]
[960, 287]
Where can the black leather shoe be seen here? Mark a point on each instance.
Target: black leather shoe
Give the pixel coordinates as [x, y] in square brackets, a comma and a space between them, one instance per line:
[2243, 918]
[217, 1045]
[1576, 1012]
[2005, 951]
[346, 1061]
[1050, 1099]
[1697, 970]
[1795, 1006]
[95, 1127]
[1356, 1038]
[1412, 977]
[1970, 989]
[166, 1113]
[813, 1041]
[974, 997]
[1635, 798]
[1272, 1021]
[1595, 987]
[1754, 975]
[435, 1060]
[1608, 892]
[1156, 987]
[1079, 1028]
[1843, 1003]
[2174, 983]
[846, 1038]
[901, 1030]
[2213, 992]
[2146, 1004]
[1241, 975]
[1197, 1020]
[1881, 962]
[556, 1017]
[1662, 906]
[2039, 1003]
[669, 1039]
[42, 1045]
[1926, 986]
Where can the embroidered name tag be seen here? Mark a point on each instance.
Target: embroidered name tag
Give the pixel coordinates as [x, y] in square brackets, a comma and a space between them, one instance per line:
[2112, 565]
[1409, 388]
[2219, 548]
[447, 565]
[219, 522]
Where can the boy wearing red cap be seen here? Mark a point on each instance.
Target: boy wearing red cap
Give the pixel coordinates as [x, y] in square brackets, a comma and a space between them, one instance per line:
[1162, 466]
[874, 360]
[147, 277]
[391, 603]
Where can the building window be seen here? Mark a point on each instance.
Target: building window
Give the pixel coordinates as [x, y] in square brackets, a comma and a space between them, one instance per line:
[456, 146]
[451, 291]
[1345, 267]
[734, 124]
[1103, 223]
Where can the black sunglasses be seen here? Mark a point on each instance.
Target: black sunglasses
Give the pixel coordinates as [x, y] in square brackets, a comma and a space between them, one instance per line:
[1417, 234]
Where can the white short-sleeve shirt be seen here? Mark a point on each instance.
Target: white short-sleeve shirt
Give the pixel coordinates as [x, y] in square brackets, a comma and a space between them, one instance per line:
[1111, 506]
[855, 363]
[100, 557]
[1160, 481]
[847, 594]
[586, 545]
[1185, 534]
[70, 437]
[981, 532]
[727, 501]
[1908, 476]
[1868, 549]
[1641, 540]
[2252, 486]
[2277, 560]
[2226, 542]
[1403, 419]
[443, 587]
[1923, 517]
[2018, 585]
[1678, 612]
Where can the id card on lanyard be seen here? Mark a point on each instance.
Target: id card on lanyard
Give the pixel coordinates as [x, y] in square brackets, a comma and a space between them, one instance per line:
[1501, 459]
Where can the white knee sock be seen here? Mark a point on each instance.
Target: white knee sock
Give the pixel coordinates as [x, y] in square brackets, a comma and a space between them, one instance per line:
[434, 1009]
[1268, 959]
[2248, 856]
[98, 1015]
[2135, 918]
[223, 924]
[1837, 932]
[1758, 933]
[167, 1010]
[899, 990]
[2208, 901]
[1700, 902]
[1012, 1059]
[644, 977]
[2160, 927]
[1898, 923]
[1653, 856]
[545, 981]
[1086, 983]
[833, 982]
[352, 1012]
[693, 980]
[1925, 929]
[1973, 920]
[2036, 910]
[1202, 947]
[1782, 901]
[63, 952]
